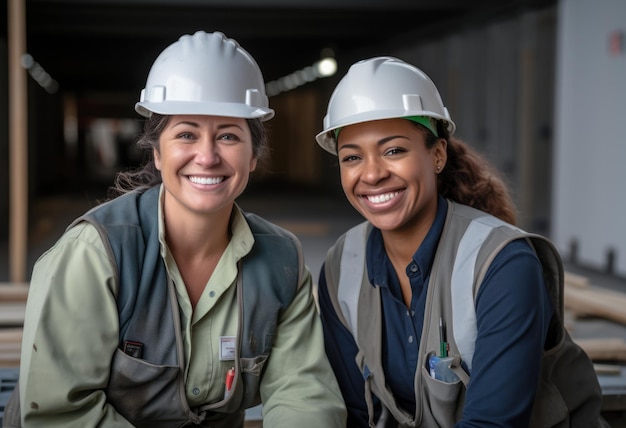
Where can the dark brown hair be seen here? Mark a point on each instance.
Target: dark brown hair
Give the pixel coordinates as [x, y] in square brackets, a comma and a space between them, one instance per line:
[148, 175]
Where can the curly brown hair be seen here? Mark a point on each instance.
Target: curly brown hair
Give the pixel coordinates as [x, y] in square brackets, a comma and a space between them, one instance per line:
[468, 178]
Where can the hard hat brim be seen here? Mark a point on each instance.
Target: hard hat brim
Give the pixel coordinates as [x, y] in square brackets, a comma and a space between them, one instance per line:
[327, 142]
[170, 108]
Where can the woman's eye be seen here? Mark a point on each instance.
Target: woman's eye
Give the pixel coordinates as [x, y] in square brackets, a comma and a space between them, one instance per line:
[229, 137]
[394, 151]
[349, 158]
[185, 135]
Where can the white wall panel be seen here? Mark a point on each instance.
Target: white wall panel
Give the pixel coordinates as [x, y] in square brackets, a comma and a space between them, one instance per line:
[589, 175]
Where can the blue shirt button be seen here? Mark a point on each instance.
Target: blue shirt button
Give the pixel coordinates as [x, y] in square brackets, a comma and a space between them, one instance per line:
[211, 293]
[413, 268]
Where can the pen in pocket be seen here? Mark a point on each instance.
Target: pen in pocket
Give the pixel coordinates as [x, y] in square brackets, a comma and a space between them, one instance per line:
[443, 343]
[230, 376]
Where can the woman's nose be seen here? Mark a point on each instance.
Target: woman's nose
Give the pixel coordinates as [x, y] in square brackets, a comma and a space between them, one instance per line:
[373, 171]
[207, 153]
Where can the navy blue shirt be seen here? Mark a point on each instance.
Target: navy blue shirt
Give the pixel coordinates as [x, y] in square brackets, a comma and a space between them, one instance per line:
[512, 313]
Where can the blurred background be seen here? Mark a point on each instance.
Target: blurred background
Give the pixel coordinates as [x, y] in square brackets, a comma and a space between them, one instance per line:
[538, 86]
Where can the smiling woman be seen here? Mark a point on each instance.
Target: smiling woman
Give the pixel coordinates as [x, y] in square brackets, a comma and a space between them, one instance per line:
[169, 286]
[450, 288]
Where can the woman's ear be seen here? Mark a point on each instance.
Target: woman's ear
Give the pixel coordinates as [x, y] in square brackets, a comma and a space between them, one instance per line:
[157, 158]
[440, 154]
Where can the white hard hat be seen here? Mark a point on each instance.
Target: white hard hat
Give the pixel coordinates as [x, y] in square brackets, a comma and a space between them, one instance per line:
[208, 74]
[381, 88]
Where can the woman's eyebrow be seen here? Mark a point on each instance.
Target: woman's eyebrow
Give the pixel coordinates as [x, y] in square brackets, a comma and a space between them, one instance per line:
[378, 143]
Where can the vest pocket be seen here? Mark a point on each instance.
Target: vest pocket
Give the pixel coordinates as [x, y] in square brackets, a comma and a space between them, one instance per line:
[443, 400]
[146, 394]
[253, 365]
[251, 370]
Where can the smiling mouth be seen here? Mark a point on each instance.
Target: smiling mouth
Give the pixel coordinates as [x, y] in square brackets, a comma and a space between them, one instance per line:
[379, 199]
[206, 180]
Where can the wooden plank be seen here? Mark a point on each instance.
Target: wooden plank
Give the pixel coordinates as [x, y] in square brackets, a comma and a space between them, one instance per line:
[607, 369]
[11, 292]
[18, 141]
[12, 314]
[11, 335]
[594, 301]
[10, 348]
[10, 359]
[607, 349]
[575, 280]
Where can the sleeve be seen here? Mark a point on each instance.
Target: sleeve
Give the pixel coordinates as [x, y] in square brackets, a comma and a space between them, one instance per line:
[513, 313]
[342, 350]
[70, 335]
[298, 386]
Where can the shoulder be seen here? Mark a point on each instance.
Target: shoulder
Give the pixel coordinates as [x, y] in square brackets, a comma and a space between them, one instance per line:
[347, 255]
[82, 233]
[260, 226]
[80, 250]
[274, 243]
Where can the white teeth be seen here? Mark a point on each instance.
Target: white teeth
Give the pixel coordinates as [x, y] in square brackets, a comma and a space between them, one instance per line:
[378, 199]
[206, 180]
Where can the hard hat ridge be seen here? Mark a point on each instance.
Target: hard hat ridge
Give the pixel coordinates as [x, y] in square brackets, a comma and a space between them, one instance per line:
[207, 74]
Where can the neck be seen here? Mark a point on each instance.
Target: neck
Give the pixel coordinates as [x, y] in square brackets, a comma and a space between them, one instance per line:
[198, 236]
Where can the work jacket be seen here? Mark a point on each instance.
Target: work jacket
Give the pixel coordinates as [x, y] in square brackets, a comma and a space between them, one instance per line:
[469, 242]
[146, 383]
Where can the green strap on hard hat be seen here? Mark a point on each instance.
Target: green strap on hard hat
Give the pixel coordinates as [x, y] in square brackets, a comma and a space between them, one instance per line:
[427, 122]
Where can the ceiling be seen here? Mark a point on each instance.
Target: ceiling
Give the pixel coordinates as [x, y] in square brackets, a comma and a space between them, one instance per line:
[92, 46]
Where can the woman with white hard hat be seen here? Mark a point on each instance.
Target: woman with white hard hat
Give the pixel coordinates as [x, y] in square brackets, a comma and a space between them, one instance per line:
[168, 305]
[437, 311]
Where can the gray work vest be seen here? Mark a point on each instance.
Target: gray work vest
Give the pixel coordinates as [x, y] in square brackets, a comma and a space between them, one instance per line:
[569, 393]
[149, 390]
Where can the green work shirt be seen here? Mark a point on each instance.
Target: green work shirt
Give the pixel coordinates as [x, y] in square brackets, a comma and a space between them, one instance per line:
[71, 334]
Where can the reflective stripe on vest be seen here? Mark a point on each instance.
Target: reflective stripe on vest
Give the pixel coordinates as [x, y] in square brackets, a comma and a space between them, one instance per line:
[351, 274]
[463, 305]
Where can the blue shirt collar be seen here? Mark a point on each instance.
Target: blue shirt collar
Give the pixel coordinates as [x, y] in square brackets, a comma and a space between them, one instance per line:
[376, 256]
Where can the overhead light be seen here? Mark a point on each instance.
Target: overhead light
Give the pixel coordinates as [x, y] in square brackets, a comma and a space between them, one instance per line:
[325, 67]
[39, 74]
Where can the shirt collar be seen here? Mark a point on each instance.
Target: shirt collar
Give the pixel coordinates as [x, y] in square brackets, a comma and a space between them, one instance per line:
[376, 255]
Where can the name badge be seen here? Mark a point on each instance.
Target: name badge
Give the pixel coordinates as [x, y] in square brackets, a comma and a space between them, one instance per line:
[227, 348]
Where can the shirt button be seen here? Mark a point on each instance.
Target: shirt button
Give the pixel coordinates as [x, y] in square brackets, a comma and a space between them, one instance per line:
[412, 313]
[410, 339]
[211, 293]
[196, 391]
[413, 267]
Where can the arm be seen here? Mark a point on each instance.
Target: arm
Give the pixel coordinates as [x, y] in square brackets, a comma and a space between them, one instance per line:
[341, 350]
[70, 335]
[298, 388]
[513, 314]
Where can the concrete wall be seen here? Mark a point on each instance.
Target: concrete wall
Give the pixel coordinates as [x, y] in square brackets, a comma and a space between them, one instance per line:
[589, 174]
[497, 79]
